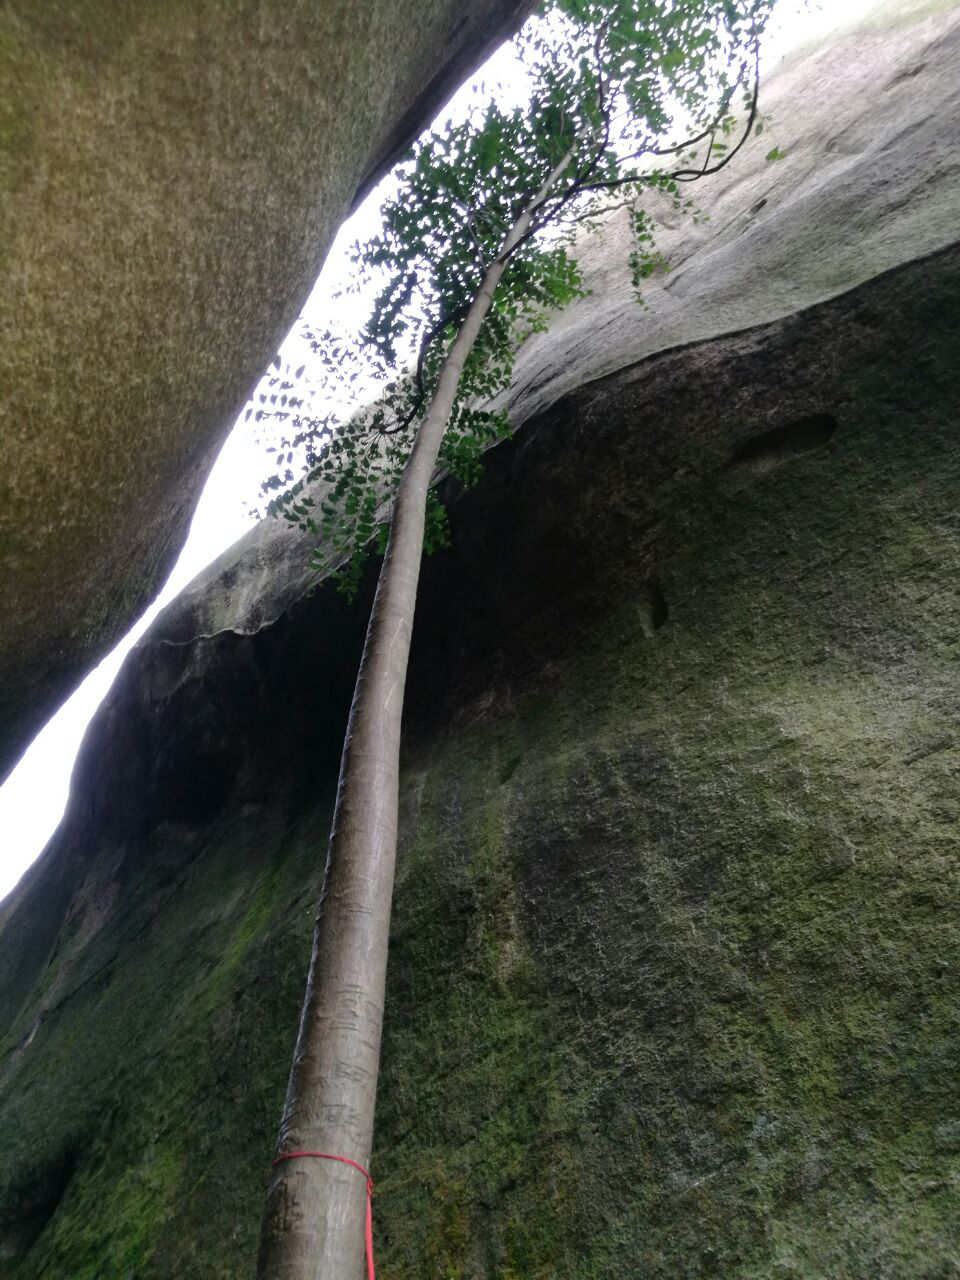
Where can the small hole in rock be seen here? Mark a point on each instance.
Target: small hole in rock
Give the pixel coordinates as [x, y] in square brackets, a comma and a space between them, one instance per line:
[908, 73]
[772, 448]
[654, 611]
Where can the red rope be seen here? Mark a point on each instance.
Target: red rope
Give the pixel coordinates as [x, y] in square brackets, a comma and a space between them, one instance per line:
[368, 1233]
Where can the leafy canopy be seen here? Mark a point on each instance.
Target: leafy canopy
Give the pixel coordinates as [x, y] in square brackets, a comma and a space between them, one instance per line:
[618, 93]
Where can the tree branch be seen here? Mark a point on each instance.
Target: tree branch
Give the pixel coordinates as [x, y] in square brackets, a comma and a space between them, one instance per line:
[691, 175]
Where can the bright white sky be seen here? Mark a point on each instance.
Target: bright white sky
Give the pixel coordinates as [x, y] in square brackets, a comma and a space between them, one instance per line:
[33, 798]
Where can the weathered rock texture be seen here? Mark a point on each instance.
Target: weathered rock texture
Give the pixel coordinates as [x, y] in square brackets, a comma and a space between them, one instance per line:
[867, 122]
[674, 971]
[171, 176]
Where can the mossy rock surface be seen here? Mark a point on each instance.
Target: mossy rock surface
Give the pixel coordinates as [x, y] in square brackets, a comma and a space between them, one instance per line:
[673, 984]
[171, 177]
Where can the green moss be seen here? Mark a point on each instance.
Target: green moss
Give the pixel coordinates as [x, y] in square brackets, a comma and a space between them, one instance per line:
[119, 1239]
[673, 974]
[264, 905]
[720, 858]
[170, 1172]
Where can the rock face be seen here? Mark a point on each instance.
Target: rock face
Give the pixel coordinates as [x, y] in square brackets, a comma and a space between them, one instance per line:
[869, 179]
[171, 176]
[673, 981]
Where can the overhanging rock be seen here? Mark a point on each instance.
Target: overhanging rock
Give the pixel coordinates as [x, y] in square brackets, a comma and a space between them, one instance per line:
[171, 176]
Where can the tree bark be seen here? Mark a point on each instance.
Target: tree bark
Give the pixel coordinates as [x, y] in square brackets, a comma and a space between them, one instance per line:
[314, 1219]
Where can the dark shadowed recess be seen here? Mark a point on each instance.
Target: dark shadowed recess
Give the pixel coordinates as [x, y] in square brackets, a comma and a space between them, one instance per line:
[780, 444]
[25, 1215]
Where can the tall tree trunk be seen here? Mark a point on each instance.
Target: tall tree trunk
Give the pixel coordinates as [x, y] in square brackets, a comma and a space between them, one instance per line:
[314, 1220]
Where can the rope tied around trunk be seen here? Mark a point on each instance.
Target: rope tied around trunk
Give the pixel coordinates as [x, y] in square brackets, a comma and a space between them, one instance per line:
[326, 1155]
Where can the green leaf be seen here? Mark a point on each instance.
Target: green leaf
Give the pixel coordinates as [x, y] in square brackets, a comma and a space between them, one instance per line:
[458, 192]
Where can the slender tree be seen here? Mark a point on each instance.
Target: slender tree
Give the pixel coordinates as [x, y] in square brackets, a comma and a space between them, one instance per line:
[475, 250]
